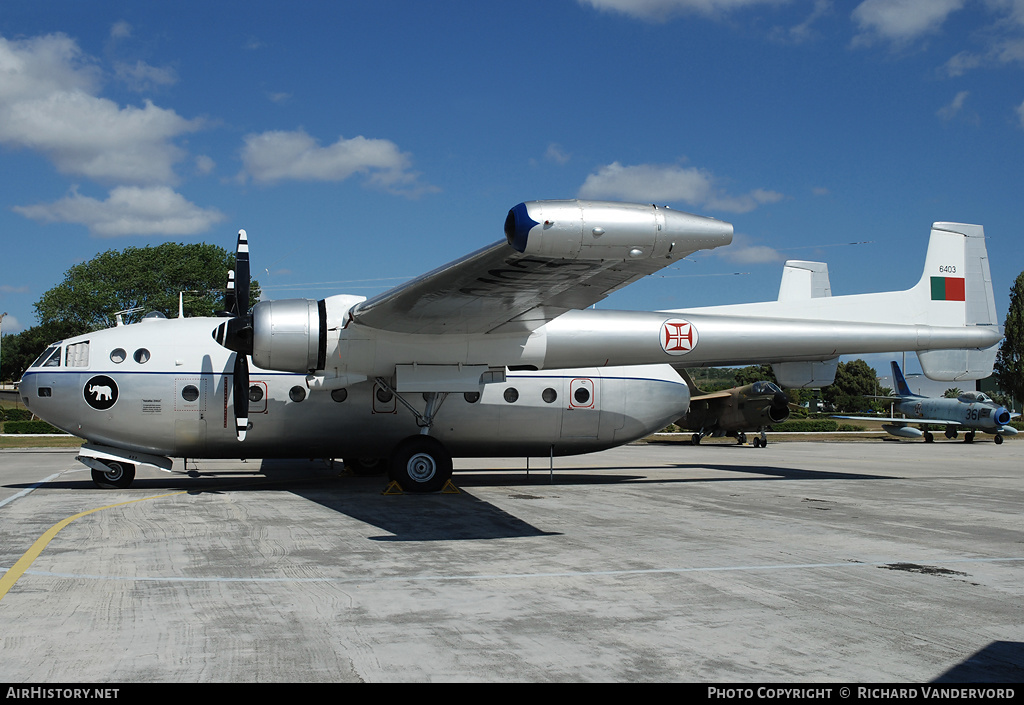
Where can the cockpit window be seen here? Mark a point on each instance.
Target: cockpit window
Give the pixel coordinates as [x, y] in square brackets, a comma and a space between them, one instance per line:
[53, 359]
[765, 388]
[47, 354]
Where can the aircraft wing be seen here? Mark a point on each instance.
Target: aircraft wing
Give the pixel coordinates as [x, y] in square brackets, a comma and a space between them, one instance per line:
[556, 256]
[940, 422]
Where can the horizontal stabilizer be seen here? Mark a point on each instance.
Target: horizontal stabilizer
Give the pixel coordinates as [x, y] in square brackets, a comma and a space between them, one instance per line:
[807, 374]
[957, 365]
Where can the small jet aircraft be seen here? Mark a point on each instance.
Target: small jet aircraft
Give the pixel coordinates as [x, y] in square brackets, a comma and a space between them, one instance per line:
[734, 412]
[970, 411]
[497, 353]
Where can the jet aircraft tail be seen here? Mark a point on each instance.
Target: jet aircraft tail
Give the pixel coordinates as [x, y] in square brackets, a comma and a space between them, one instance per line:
[902, 388]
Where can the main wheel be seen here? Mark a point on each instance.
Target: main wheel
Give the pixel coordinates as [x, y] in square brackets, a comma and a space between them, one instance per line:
[928, 437]
[117, 476]
[421, 464]
[695, 439]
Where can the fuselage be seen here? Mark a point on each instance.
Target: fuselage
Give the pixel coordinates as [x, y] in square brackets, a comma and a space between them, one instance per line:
[164, 387]
[972, 411]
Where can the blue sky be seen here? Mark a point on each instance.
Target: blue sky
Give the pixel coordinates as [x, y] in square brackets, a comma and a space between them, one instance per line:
[361, 144]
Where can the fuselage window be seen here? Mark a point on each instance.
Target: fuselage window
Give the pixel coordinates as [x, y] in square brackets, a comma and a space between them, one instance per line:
[190, 392]
[511, 395]
[471, 397]
[383, 395]
[77, 355]
[339, 395]
[255, 393]
[549, 395]
[296, 394]
[118, 355]
[581, 395]
[142, 356]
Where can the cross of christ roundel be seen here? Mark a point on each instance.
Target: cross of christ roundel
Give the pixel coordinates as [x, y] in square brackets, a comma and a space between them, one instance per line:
[678, 337]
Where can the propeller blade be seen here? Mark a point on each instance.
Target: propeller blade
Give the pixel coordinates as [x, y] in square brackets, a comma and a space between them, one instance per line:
[242, 274]
[230, 302]
[241, 395]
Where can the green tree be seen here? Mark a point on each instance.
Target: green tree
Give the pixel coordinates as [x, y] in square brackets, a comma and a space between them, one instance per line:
[855, 382]
[952, 393]
[146, 278]
[1009, 367]
[19, 350]
[755, 373]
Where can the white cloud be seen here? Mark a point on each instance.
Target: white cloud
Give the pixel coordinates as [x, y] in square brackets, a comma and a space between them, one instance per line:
[1020, 114]
[121, 30]
[129, 210]
[901, 21]
[11, 325]
[744, 250]
[655, 183]
[140, 76]
[277, 155]
[662, 10]
[948, 112]
[557, 154]
[48, 103]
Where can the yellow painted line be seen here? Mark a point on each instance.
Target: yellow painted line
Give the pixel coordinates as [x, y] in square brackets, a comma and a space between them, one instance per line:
[12, 575]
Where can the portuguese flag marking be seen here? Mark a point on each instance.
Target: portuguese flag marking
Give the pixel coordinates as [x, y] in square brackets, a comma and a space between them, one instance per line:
[948, 289]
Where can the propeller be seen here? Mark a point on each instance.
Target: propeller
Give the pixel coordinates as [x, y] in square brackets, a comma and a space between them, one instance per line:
[236, 333]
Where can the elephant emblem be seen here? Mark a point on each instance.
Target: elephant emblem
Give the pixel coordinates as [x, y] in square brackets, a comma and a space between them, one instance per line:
[100, 392]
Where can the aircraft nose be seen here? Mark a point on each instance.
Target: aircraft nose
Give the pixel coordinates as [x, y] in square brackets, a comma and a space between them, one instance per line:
[780, 400]
[1002, 416]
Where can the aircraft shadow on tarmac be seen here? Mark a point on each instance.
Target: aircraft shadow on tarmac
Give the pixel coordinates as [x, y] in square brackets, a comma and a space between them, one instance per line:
[431, 517]
[999, 662]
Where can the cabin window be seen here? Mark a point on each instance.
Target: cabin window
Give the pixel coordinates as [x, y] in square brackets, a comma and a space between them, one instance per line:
[118, 355]
[383, 395]
[471, 397]
[141, 356]
[581, 395]
[255, 393]
[77, 355]
[339, 395]
[511, 395]
[190, 392]
[296, 394]
[549, 395]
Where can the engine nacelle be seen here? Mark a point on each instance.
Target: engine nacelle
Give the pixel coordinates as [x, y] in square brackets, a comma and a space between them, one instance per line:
[290, 335]
[607, 230]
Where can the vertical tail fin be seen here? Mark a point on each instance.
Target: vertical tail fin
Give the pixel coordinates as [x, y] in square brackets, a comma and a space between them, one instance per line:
[957, 283]
[902, 388]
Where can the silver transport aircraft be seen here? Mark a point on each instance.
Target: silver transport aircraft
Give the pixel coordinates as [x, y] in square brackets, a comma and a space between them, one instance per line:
[496, 353]
[970, 411]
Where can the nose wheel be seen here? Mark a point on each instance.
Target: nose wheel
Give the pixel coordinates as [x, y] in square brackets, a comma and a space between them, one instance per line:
[116, 476]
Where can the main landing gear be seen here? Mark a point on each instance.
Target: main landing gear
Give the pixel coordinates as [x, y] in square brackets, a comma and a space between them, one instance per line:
[420, 464]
